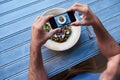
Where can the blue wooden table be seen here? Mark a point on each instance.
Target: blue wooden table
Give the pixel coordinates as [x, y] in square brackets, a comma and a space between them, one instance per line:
[16, 18]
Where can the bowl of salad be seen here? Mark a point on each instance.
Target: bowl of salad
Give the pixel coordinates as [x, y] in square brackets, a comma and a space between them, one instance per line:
[66, 38]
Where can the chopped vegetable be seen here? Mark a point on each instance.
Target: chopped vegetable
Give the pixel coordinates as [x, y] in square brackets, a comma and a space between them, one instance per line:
[47, 27]
[62, 36]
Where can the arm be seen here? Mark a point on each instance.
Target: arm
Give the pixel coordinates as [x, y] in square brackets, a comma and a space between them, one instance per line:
[110, 49]
[39, 37]
[37, 71]
[106, 43]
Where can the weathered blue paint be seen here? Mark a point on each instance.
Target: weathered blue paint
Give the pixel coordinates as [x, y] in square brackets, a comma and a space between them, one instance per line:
[16, 18]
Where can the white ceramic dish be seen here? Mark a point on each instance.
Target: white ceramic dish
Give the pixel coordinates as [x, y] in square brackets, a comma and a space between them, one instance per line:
[72, 40]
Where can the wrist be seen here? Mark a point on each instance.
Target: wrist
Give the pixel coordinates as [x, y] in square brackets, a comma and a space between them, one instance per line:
[96, 21]
[35, 43]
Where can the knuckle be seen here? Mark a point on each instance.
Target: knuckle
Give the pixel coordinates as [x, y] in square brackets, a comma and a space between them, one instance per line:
[76, 3]
[36, 27]
[38, 17]
[49, 16]
[86, 8]
[33, 27]
[86, 5]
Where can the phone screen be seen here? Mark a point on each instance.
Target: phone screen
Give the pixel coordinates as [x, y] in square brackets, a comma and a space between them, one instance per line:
[62, 19]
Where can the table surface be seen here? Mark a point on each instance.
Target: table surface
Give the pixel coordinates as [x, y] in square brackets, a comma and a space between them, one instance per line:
[16, 18]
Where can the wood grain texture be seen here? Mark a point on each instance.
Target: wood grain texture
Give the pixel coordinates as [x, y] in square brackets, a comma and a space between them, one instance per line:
[16, 18]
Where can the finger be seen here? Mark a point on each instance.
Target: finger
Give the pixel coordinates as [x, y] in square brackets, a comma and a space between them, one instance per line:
[77, 4]
[36, 19]
[72, 9]
[44, 19]
[52, 32]
[85, 22]
[80, 8]
[77, 23]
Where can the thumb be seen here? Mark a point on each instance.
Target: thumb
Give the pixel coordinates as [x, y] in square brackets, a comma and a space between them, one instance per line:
[54, 31]
[77, 23]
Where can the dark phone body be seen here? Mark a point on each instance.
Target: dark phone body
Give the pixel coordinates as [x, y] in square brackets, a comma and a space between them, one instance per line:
[55, 22]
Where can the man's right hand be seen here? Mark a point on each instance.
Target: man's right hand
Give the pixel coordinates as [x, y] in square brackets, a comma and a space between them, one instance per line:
[89, 18]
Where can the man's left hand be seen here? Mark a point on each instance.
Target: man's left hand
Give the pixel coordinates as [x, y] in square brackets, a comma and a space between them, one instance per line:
[39, 35]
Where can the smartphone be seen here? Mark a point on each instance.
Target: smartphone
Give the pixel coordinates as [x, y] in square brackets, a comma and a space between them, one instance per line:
[62, 19]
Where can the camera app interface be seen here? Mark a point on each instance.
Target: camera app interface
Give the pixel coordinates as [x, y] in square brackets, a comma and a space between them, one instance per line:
[62, 19]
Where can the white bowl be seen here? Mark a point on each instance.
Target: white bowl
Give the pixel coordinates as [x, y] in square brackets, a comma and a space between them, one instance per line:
[72, 40]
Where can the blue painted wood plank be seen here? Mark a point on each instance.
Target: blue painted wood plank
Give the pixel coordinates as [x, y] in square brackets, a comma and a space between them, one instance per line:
[111, 23]
[17, 39]
[29, 11]
[90, 46]
[12, 69]
[20, 51]
[116, 34]
[73, 55]
[12, 5]
[8, 45]
[103, 3]
[4, 1]
[115, 31]
[13, 56]
[18, 76]
[50, 67]
[13, 39]
[58, 56]
[111, 11]
[27, 23]
[18, 25]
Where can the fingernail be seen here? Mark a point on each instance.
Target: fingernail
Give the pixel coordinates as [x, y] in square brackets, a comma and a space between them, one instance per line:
[59, 30]
[72, 24]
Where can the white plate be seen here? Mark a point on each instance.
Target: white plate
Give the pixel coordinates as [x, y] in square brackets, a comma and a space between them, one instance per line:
[72, 40]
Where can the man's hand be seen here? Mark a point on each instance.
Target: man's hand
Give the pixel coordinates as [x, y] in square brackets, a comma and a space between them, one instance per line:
[88, 17]
[106, 43]
[39, 35]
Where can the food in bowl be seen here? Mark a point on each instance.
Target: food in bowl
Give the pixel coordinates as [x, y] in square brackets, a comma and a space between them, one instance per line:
[61, 36]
